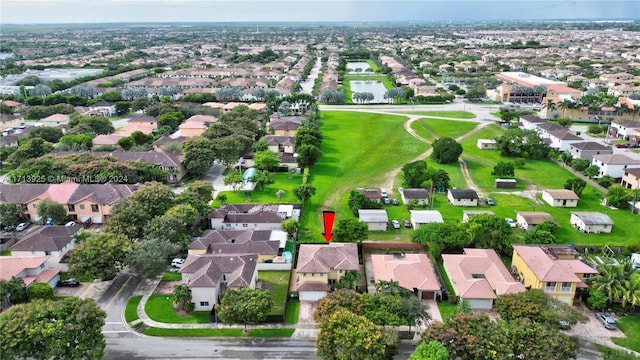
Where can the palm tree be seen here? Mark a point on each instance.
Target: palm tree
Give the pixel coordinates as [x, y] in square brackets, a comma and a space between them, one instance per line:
[609, 281]
[182, 297]
[631, 292]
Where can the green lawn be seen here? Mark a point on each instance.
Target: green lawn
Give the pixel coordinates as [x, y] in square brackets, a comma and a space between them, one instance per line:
[171, 276]
[371, 63]
[359, 150]
[5, 253]
[268, 195]
[347, 86]
[153, 331]
[449, 114]
[450, 128]
[293, 312]
[158, 308]
[131, 311]
[277, 283]
[446, 310]
[423, 129]
[630, 326]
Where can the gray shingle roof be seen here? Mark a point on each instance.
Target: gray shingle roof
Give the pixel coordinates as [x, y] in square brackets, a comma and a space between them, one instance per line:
[594, 218]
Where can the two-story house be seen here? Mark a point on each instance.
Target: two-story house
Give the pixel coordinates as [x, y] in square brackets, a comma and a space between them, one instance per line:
[267, 244]
[54, 242]
[252, 216]
[32, 269]
[631, 178]
[624, 128]
[614, 165]
[555, 269]
[586, 150]
[280, 143]
[320, 266]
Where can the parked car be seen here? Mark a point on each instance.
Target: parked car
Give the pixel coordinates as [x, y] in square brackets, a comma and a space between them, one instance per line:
[623, 146]
[395, 202]
[177, 263]
[511, 222]
[383, 193]
[406, 223]
[70, 223]
[68, 283]
[607, 320]
[395, 224]
[608, 142]
[386, 201]
[22, 226]
[490, 202]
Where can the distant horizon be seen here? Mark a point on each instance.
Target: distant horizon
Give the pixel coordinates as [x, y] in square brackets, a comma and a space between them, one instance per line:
[59, 12]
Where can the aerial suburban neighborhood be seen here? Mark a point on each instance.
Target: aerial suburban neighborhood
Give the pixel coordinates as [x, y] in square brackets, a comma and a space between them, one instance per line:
[338, 190]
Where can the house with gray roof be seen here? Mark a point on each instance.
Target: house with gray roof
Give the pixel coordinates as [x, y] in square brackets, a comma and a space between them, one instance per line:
[54, 242]
[528, 220]
[266, 243]
[587, 149]
[252, 216]
[376, 219]
[421, 196]
[462, 197]
[209, 275]
[591, 222]
[320, 266]
[614, 165]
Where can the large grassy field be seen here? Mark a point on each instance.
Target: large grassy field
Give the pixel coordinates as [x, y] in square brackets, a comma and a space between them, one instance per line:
[359, 149]
[630, 325]
[449, 128]
[444, 113]
[347, 86]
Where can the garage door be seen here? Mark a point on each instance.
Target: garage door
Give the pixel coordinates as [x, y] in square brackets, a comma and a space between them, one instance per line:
[428, 295]
[96, 219]
[312, 295]
[480, 303]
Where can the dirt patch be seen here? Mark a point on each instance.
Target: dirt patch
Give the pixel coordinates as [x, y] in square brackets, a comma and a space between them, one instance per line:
[166, 287]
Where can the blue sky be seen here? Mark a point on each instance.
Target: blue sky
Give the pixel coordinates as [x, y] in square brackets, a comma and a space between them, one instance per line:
[105, 11]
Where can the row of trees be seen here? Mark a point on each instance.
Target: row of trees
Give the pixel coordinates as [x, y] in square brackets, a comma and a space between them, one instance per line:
[527, 144]
[416, 174]
[332, 96]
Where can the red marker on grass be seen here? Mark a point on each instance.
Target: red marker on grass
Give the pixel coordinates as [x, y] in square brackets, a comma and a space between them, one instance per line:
[328, 217]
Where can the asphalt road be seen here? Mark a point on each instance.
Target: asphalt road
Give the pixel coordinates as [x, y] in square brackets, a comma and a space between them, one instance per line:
[114, 301]
[121, 347]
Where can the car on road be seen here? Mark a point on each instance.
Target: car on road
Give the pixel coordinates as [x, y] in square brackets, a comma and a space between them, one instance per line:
[490, 202]
[395, 224]
[22, 226]
[607, 320]
[406, 223]
[512, 223]
[177, 263]
[68, 283]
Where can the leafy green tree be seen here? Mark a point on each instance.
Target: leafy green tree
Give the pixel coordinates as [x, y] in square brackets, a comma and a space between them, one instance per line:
[100, 256]
[47, 133]
[170, 120]
[77, 141]
[350, 230]
[149, 257]
[10, 214]
[580, 164]
[446, 150]
[490, 232]
[111, 96]
[234, 179]
[503, 168]
[198, 155]
[185, 213]
[346, 299]
[307, 136]
[441, 237]
[533, 340]
[577, 185]
[48, 208]
[349, 280]
[538, 236]
[412, 310]
[597, 299]
[304, 192]
[347, 336]
[290, 226]
[415, 173]
[122, 107]
[266, 160]
[181, 296]
[40, 291]
[153, 198]
[383, 309]
[536, 306]
[245, 305]
[431, 350]
[606, 181]
[618, 197]
[43, 329]
[13, 291]
[308, 155]
[169, 228]
[262, 178]
[126, 143]
[592, 171]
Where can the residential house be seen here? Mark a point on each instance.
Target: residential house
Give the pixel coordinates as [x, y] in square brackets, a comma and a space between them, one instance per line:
[55, 120]
[614, 165]
[624, 128]
[376, 219]
[561, 140]
[528, 220]
[284, 125]
[421, 217]
[320, 266]
[420, 196]
[169, 162]
[587, 149]
[530, 122]
[84, 202]
[32, 269]
[591, 222]
[371, 194]
[196, 125]
[469, 213]
[104, 108]
[486, 144]
[462, 197]
[478, 277]
[252, 216]
[413, 272]
[555, 269]
[54, 242]
[560, 198]
[208, 276]
[267, 244]
[280, 144]
[631, 178]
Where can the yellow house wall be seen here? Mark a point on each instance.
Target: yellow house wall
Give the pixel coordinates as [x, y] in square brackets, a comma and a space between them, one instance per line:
[318, 277]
